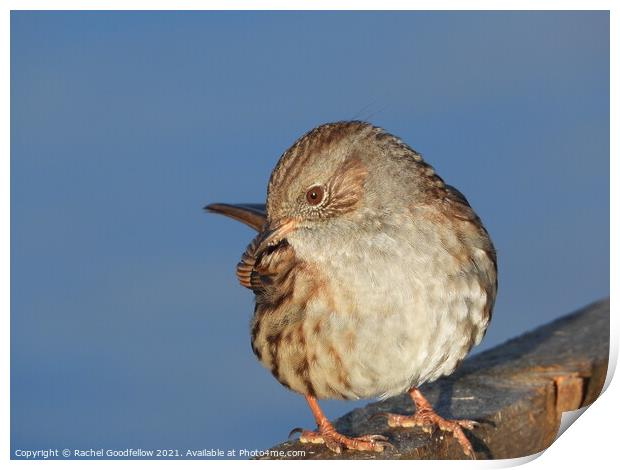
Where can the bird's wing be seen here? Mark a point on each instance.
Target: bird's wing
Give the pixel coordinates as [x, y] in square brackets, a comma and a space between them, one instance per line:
[465, 212]
[253, 215]
[268, 273]
[245, 268]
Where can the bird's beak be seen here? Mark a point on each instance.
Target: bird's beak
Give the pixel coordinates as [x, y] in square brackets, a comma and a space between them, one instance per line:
[253, 215]
[274, 235]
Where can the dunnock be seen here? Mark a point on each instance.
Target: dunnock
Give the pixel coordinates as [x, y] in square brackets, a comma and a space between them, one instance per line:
[372, 276]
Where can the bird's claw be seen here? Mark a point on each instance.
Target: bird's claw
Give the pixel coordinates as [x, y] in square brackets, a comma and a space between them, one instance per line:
[336, 442]
[467, 423]
[294, 431]
[427, 419]
[377, 438]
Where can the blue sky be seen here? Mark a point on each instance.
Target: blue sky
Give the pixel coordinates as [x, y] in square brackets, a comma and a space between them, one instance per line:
[128, 327]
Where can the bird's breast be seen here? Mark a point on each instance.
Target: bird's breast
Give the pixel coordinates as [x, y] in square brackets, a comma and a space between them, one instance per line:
[369, 317]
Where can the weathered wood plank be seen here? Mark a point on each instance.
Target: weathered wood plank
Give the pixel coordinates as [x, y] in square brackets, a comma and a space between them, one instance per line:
[517, 391]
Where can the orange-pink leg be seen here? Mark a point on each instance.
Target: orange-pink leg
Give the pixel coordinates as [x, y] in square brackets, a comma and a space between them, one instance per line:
[426, 418]
[327, 434]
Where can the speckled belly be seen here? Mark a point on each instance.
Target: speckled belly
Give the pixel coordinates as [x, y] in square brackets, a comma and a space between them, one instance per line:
[351, 347]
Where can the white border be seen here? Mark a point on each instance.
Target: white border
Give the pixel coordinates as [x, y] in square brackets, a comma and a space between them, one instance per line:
[590, 442]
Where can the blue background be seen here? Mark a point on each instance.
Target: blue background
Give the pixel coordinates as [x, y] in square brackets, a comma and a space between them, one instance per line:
[128, 327]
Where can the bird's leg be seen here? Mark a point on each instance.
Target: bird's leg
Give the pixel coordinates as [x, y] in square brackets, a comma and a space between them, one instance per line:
[426, 417]
[327, 434]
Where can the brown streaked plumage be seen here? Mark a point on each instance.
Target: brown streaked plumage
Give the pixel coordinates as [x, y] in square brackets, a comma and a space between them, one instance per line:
[372, 276]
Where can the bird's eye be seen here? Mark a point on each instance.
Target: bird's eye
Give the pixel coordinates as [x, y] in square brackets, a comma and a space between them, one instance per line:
[315, 195]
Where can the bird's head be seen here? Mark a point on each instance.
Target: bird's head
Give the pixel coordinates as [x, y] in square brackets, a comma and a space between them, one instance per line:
[336, 180]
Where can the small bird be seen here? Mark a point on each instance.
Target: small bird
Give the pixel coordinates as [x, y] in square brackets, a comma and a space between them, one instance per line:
[371, 275]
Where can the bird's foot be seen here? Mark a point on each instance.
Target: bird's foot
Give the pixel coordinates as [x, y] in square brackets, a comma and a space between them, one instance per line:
[336, 442]
[427, 418]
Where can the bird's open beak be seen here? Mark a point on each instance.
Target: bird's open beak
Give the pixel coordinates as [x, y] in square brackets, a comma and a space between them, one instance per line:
[274, 235]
